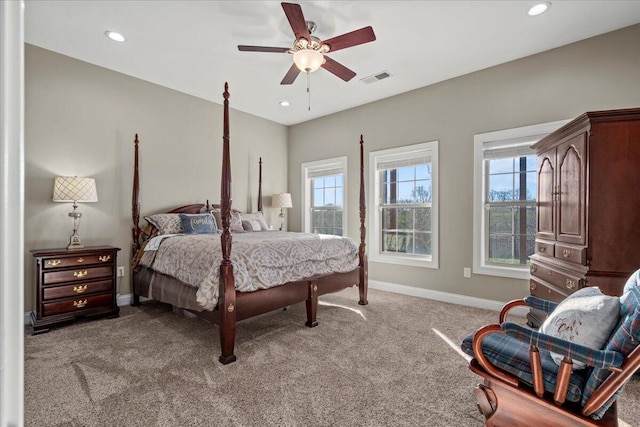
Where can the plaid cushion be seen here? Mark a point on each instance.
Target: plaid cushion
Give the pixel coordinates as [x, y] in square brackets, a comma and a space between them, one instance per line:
[624, 339]
[511, 355]
[580, 353]
[540, 304]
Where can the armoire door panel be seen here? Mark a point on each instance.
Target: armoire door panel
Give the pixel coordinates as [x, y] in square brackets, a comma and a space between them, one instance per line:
[571, 183]
[545, 205]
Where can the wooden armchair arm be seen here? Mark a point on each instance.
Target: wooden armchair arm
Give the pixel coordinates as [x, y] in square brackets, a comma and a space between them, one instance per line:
[609, 387]
[482, 359]
[510, 305]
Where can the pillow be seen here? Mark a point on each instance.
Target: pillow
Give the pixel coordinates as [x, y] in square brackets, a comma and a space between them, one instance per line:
[198, 223]
[217, 215]
[586, 317]
[251, 225]
[168, 223]
[236, 222]
[256, 216]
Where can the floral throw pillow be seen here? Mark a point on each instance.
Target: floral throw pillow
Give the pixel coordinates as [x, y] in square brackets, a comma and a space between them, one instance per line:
[586, 317]
[168, 223]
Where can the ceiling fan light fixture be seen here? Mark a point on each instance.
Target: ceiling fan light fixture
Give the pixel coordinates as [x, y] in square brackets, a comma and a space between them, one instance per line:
[308, 60]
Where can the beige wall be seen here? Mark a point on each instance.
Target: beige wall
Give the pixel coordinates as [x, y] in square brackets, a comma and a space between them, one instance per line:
[80, 119]
[595, 74]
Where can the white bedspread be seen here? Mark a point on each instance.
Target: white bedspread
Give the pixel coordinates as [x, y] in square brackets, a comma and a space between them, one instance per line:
[260, 260]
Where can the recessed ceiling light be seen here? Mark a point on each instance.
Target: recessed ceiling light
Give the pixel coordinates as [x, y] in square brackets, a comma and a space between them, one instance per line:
[539, 8]
[284, 103]
[117, 37]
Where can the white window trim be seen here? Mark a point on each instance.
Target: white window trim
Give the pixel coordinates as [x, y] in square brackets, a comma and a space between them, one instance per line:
[375, 254]
[317, 165]
[535, 133]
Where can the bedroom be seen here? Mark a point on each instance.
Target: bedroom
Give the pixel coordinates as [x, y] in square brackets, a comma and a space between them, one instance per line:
[68, 131]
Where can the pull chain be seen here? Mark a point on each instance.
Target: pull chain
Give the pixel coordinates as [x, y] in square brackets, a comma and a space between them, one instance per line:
[308, 91]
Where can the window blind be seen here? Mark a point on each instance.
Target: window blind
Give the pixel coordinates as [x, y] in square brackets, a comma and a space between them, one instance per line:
[415, 158]
[515, 147]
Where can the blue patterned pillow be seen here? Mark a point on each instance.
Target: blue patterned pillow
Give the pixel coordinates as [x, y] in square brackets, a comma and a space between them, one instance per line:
[198, 223]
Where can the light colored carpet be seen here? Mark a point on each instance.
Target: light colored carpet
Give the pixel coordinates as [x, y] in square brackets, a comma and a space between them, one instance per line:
[385, 364]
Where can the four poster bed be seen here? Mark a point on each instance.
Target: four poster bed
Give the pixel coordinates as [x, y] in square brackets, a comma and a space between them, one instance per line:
[232, 292]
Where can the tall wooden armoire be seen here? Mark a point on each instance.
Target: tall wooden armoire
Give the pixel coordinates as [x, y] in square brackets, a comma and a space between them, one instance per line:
[588, 206]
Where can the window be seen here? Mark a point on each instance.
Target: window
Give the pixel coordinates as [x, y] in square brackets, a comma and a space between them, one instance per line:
[403, 206]
[505, 190]
[324, 210]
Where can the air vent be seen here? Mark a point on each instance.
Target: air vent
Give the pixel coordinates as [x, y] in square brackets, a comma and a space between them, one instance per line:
[376, 77]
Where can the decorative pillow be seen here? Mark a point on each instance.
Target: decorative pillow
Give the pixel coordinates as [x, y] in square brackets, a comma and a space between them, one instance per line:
[251, 225]
[198, 223]
[256, 216]
[217, 215]
[236, 223]
[168, 223]
[586, 317]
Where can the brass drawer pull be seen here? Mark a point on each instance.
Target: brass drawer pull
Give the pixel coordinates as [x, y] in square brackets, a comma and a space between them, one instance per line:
[566, 253]
[80, 289]
[532, 286]
[550, 272]
[534, 268]
[53, 262]
[571, 284]
[80, 303]
[542, 248]
[80, 259]
[104, 258]
[79, 274]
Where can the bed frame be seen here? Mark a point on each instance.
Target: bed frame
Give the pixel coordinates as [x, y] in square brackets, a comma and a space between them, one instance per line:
[234, 306]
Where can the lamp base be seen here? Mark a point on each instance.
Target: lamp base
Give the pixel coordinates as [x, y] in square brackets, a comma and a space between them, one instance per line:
[74, 242]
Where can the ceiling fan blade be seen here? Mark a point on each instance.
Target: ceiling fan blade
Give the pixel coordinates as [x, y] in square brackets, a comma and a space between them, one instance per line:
[354, 38]
[296, 20]
[291, 75]
[338, 69]
[245, 48]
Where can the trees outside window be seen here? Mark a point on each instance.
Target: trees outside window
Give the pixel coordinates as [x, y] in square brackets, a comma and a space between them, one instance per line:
[323, 192]
[404, 205]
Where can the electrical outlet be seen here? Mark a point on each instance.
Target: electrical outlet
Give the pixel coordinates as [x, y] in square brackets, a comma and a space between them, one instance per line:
[120, 271]
[466, 272]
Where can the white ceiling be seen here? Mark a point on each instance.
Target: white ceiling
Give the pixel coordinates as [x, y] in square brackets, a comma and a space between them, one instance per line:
[191, 46]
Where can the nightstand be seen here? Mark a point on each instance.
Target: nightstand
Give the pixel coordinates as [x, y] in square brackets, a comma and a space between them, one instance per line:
[74, 283]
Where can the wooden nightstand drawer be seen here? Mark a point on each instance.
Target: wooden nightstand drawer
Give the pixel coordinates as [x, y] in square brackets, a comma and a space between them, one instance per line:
[76, 275]
[74, 283]
[76, 261]
[546, 291]
[77, 290]
[77, 304]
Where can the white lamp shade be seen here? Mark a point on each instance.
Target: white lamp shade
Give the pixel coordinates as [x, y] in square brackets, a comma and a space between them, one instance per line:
[74, 189]
[281, 200]
[308, 60]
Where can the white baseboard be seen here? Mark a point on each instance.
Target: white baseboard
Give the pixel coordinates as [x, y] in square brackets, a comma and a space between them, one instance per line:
[126, 299]
[445, 297]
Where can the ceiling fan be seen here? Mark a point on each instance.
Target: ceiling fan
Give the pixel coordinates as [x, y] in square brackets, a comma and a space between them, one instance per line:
[309, 52]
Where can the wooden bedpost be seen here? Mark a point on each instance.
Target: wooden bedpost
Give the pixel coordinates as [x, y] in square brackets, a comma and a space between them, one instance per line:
[260, 185]
[364, 268]
[135, 216]
[227, 291]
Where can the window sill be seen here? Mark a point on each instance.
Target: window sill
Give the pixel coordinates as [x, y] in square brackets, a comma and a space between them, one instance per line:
[413, 261]
[508, 272]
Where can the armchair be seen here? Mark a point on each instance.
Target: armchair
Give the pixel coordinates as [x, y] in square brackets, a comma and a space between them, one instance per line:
[524, 386]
